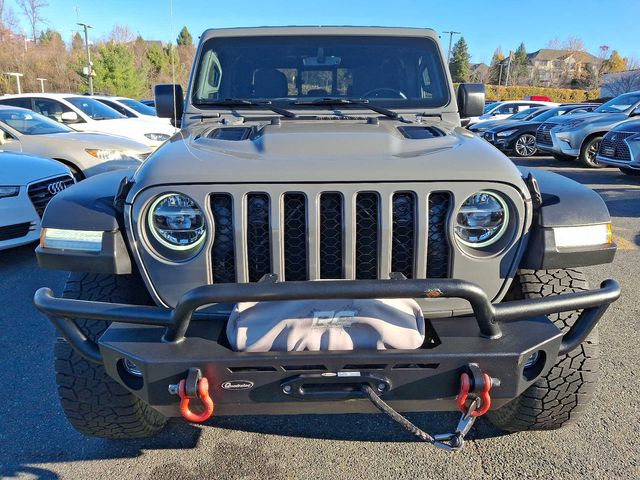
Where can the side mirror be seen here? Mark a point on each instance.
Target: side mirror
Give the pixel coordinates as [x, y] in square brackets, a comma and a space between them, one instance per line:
[169, 102]
[69, 117]
[470, 99]
[4, 138]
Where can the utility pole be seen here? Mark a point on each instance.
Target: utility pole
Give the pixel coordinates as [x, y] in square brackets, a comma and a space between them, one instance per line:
[41, 80]
[451, 34]
[17, 77]
[500, 77]
[506, 82]
[89, 64]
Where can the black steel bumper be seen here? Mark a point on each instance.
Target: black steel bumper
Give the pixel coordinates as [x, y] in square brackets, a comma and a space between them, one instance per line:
[165, 343]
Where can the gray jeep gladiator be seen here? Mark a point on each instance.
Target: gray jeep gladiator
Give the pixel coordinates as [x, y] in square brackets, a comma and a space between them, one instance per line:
[323, 237]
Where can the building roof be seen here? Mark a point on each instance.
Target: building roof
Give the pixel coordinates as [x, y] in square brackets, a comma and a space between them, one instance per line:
[546, 54]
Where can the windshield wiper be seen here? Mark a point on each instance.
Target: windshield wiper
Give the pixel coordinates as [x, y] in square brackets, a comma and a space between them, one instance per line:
[239, 102]
[363, 102]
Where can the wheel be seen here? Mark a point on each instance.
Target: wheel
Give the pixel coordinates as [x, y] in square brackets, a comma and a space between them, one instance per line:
[560, 396]
[562, 157]
[589, 151]
[525, 145]
[630, 171]
[93, 402]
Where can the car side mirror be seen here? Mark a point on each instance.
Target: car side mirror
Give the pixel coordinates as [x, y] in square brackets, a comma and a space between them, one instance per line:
[169, 102]
[69, 117]
[471, 99]
[4, 138]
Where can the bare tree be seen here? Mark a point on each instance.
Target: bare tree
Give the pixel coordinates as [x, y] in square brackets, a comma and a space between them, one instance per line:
[615, 84]
[32, 9]
[121, 34]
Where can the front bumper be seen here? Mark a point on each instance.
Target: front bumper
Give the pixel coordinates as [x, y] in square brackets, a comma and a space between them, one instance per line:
[633, 164]
[564, 142]
[165, 343]
[16, 212]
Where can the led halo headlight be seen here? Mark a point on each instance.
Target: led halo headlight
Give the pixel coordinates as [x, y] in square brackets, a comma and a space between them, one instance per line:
[482, 219]
[177, 222]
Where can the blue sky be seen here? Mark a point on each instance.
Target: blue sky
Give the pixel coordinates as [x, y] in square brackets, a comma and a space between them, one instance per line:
[484, 24]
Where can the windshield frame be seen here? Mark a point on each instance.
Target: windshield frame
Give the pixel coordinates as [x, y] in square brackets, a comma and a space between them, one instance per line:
[444, 95]
[73, 99]
[136, 106]
[57, 126]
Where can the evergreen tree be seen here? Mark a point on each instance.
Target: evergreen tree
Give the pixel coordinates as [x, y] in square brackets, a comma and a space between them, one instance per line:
[116, 71]
[184, 37]
[49, 36]
[519, 71]
[459, 65]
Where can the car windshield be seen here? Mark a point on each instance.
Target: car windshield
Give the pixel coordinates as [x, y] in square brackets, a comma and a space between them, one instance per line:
[93, 108]
[30, 123]
[523, 114]
[138, 106]
[619, 104]
[489, 107]
[390, 71]
[554, 112]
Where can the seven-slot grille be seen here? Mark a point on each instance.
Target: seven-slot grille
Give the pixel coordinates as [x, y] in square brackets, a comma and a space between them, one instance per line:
[543, 134]
[614, 146]
[330, 235]
[40, 193]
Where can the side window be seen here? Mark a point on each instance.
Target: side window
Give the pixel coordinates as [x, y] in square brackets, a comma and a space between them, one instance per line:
[5, 137]
[117, 108]
[17, 102]
[509, 108]
[50, 108]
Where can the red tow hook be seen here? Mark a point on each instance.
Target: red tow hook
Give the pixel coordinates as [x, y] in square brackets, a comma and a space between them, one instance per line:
[481, 381]
[195, 385]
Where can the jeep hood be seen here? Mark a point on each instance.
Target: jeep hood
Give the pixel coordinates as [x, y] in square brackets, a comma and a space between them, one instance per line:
[324, 151]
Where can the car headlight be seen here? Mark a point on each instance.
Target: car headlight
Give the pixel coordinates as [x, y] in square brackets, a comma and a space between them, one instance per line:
[106, 154]
[176, 222]
[9, 191]
[157, 137]
[482, 219]
[506, 133]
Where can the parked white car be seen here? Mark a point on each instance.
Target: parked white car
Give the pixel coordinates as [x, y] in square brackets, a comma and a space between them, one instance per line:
[27, 183]
[85, 153]
[131, 108]
[87, 114]
[502, 110]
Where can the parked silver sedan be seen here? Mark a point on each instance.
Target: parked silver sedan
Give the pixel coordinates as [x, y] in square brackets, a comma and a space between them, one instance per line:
[85, 153]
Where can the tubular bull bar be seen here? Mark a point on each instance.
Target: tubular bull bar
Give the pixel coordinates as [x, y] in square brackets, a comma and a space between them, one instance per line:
[165, 343]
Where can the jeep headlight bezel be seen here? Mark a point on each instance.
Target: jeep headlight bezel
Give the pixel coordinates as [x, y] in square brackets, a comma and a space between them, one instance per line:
[492, 218]
[176, 225]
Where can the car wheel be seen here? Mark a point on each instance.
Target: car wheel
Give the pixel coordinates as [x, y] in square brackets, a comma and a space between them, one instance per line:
[563, 158]
[588, 153]
[525, 145]
[560, 396]
[93, 402]
[630, 171]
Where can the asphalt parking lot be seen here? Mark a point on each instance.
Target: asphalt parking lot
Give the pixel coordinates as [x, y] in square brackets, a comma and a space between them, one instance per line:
[37, 442]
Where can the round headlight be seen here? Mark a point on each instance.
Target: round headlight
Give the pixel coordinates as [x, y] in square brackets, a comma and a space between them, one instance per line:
[482, 219]
[177, 222]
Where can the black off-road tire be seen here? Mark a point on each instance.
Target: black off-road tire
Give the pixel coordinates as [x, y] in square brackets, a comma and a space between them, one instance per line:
[588, 151]
[559, 397]
[94, 403]
[630, 171]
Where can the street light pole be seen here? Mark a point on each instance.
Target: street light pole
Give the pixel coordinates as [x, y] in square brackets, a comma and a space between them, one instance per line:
[41, 80]
[451, 34]
[86, 45]
[17, 77]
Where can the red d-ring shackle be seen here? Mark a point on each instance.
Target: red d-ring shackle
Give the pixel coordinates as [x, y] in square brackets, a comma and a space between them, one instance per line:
[485, 399]
[203, 395]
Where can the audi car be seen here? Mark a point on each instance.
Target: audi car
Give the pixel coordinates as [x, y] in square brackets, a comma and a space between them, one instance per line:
[528, 114]
[27, 183]
[519, 138]
[621, 148]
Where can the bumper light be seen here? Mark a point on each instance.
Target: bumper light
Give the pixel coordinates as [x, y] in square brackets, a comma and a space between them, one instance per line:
[9, 191]
[81, 240]
[584, 236]
[157, 137]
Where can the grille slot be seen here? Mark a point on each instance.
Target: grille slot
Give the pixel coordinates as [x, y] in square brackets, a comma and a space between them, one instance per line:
[367, 236]
[42, 192]
[438, 251]
[295, 236]
[331, 235]
[614, 146]
[223, 253]
[258, 236]
[543, 134]
[403, 242]
[18, 230]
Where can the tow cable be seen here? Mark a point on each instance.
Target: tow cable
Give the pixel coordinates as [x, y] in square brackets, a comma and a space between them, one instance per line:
[474, 384]
[194, 386]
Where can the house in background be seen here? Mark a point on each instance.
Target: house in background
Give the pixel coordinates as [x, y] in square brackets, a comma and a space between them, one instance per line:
[561, 68]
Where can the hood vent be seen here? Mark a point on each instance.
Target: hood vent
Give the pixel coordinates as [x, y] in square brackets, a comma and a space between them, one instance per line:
[415, 132]
[234, 134]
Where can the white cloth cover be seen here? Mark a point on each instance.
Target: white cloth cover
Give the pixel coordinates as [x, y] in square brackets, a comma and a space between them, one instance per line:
[321, 325]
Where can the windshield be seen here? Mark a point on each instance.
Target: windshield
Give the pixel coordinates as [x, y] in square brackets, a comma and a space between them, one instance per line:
[137, 106]
[31, 123]
[391, 71]
[619, 104]
[491, 106]
[523, 114]
[93, 108]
